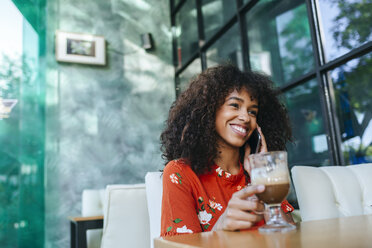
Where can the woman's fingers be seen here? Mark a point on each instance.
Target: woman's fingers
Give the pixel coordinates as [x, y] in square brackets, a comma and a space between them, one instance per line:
[245, 205]
[249, 191]
[238, 219]
[240, 211]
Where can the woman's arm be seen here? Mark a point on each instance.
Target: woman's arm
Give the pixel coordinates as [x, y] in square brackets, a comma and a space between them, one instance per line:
[178, 213]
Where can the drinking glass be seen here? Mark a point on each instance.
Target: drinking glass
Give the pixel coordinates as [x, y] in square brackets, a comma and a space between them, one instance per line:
[271, 170]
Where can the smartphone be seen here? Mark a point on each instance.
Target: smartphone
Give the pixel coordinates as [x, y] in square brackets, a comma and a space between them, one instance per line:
[254, 141]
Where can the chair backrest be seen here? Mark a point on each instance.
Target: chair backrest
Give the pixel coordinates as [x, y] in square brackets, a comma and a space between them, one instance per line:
[333, 191]
[92, 205]
[126, 218]
[154, 194]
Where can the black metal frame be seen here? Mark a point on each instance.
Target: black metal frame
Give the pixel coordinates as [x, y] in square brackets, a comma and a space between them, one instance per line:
[78, 230]
[320, 71]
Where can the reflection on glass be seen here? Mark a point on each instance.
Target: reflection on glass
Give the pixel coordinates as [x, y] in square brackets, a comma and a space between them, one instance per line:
[190, 72]
[176, 2]
[310, 141]
[215, 14]
[345, 24]
[226, 49]
[186, 32]
[353, 93]
[279, 39]
[21, 130]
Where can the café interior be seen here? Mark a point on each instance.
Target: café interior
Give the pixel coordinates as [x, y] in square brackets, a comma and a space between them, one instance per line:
[85, 90]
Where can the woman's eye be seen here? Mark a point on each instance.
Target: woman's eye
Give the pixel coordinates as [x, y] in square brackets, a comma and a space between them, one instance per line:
[253, 113]
[235, 105]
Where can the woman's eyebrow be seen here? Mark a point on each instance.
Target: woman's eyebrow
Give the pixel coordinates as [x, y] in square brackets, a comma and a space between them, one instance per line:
[235, 98]
[240, 100]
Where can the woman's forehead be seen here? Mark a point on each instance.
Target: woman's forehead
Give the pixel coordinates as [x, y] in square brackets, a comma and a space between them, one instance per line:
[242, 91]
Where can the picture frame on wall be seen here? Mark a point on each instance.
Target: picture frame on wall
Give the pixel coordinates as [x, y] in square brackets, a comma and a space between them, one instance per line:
[80, 48]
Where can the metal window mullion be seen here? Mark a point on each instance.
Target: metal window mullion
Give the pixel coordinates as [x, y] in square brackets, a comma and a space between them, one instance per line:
[242, 11]
[324, 86]
[176, 8]
[174, 46]
[244, 42]
[355, 53]
[201, 34]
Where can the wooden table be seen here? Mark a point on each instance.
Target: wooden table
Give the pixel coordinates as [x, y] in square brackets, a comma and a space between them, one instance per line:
[341, 232]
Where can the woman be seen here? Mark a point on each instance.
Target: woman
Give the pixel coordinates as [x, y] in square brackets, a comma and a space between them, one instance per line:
[205, 143]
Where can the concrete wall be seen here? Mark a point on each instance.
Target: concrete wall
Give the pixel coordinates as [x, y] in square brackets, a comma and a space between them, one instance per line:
[103, 123]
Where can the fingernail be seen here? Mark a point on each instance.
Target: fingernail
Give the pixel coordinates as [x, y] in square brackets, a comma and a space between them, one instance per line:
[261, 187]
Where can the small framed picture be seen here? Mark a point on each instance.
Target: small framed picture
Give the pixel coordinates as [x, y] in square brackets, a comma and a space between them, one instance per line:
[80, 48]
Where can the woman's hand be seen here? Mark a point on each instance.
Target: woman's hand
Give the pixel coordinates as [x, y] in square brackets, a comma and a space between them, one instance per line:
[263, 148]
[239, 213]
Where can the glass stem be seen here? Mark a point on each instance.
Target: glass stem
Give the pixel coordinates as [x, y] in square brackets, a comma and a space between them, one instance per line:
[275, 216]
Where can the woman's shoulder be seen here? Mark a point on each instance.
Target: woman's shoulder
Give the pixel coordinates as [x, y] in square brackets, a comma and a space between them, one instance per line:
[177, 165]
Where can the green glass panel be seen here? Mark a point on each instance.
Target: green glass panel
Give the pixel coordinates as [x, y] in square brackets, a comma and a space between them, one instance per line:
[190, 72]
[279, 39]
[186, 32]
[346, 25]
[310, 141]
[226, 49]
[215, 14]
[21, 128]
[353, 94]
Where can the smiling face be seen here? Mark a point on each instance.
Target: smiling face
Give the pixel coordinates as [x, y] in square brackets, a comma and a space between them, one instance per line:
[236, 119]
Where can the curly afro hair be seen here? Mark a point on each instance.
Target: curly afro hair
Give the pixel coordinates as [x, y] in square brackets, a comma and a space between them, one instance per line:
[190, 131]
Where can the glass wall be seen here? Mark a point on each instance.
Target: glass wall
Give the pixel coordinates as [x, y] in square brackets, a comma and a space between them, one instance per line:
[21, 126]
[305, 112]
[187, 32]
[279, 40]
[190, 72]
[215, 14]
[227, 49]
[353, 95]
[317, 52]
[345, 25]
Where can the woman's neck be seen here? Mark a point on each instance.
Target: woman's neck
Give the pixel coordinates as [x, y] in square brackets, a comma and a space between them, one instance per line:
[228, 160]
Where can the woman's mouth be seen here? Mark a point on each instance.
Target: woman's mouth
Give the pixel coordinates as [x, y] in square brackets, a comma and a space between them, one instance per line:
[239, 130]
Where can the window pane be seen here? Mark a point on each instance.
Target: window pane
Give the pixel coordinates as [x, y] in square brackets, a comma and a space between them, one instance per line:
[190, 72]
[279, 39]
[176, 2]
[310, 141]
[353, 93]
[226, 49]
[346, 25]
[186, 32]
[22, 128]
[215, 14]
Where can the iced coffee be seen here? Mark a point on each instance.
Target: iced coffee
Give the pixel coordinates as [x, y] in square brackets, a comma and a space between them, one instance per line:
[271, 170]
[276, 184]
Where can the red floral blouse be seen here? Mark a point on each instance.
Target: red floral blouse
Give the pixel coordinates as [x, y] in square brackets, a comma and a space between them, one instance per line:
[194, 203]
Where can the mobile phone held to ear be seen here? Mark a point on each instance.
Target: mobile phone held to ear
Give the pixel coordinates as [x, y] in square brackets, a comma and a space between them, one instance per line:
[254, 141]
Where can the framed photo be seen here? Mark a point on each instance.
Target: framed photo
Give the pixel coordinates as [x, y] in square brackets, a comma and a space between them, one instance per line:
[80, 48]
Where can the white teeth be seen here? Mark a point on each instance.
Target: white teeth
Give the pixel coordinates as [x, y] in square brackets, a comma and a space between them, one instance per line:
[239, 129]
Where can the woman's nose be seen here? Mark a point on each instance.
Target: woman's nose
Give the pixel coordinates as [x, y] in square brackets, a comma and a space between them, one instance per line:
[244, 116]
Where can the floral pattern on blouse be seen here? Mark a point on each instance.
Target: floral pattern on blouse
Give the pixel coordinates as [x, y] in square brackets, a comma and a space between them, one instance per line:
[176, 178]
[183, 230]
[215, 205]
[222, 173]
[204, 217]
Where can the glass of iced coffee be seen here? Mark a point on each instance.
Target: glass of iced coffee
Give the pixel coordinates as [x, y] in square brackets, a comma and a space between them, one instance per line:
[271, 170]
